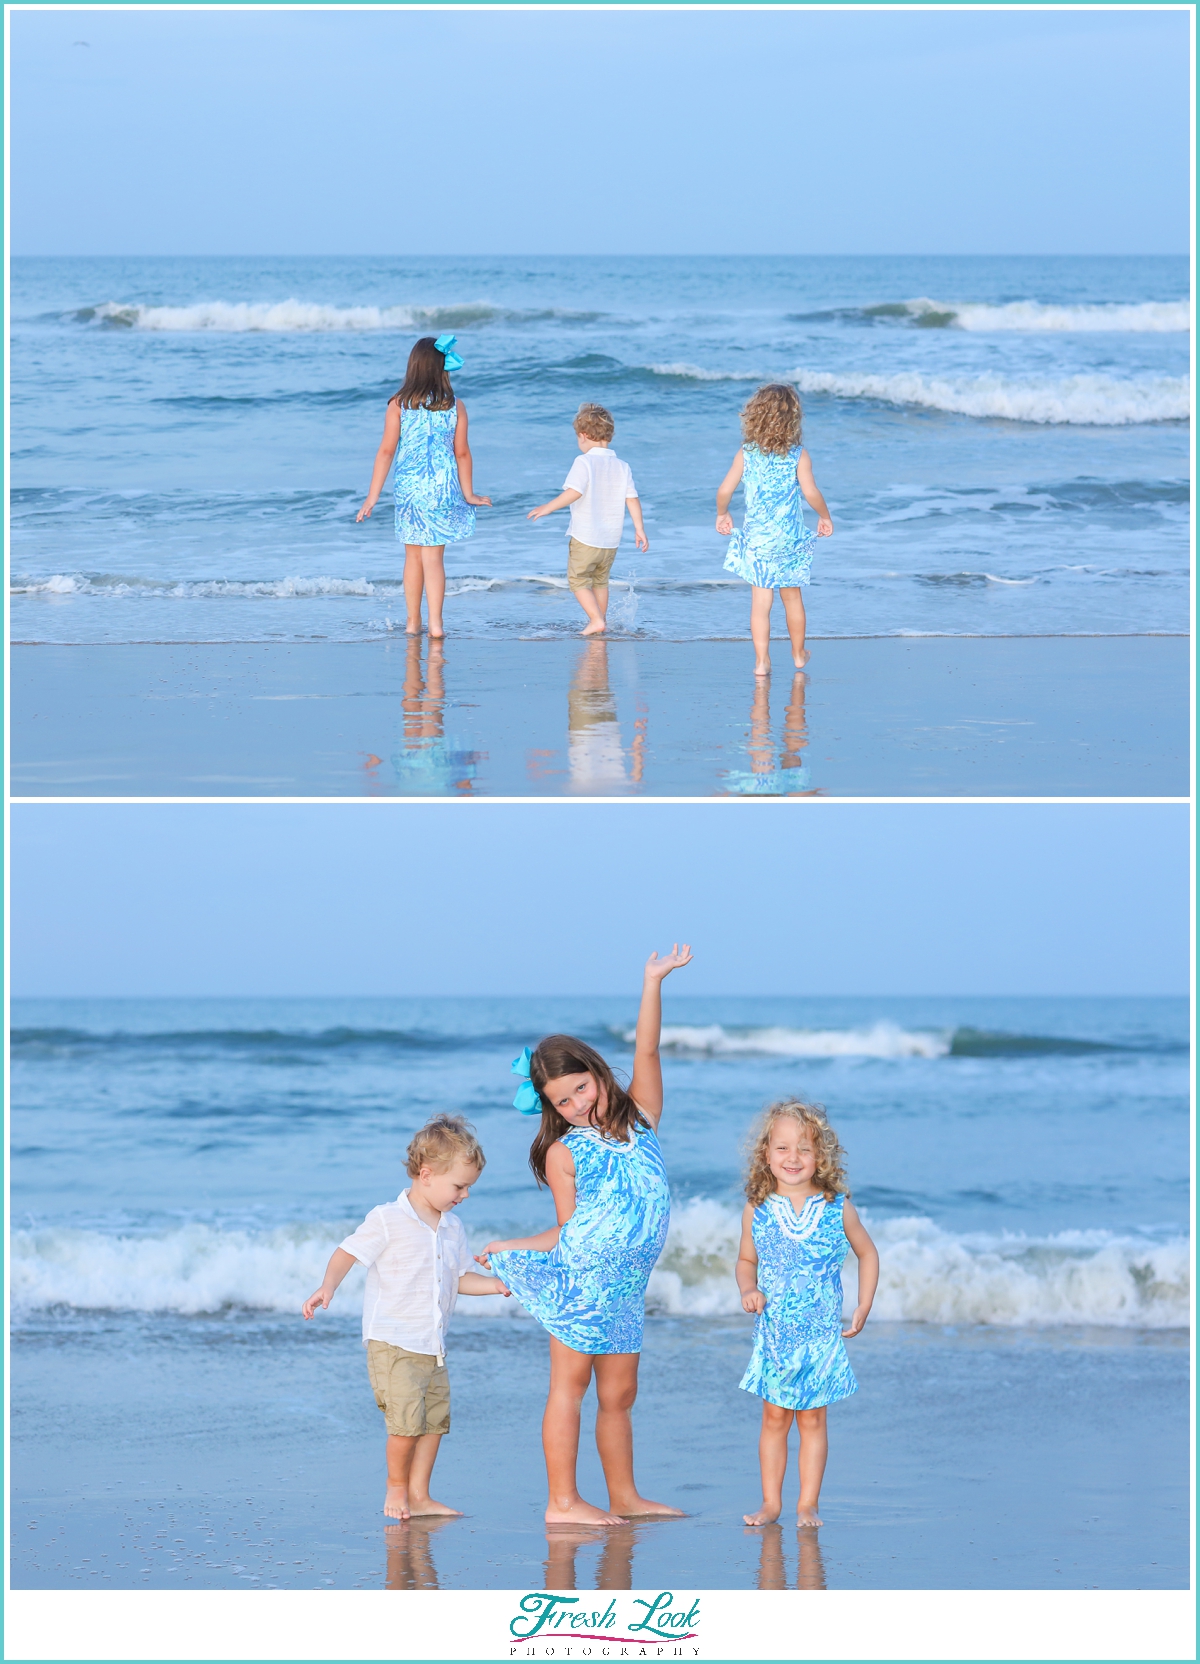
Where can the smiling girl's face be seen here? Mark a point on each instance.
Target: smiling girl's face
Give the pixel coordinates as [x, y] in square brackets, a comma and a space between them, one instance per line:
[792, 1155]
[577, 1098]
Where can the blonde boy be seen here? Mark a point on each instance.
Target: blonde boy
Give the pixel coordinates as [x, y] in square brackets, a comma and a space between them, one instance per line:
[418, 1263]
[598, 488]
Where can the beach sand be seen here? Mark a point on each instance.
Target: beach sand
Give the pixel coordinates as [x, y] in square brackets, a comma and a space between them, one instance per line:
[237, 1452]
[887, 716]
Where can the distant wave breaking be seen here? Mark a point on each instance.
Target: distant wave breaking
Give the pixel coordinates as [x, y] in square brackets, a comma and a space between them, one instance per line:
[1081, 400]
[308, 317]
[928, 1275]
[1138, 317]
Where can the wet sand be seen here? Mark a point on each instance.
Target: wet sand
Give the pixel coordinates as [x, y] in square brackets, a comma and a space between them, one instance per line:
[906, 717]
[242, 1452]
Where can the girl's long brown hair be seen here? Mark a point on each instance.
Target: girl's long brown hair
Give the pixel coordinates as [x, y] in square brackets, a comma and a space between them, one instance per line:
[562, 1054]
[426, 384]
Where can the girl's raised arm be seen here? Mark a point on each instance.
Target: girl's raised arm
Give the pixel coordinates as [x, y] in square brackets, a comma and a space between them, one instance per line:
[812, 495]
[383, 459]
[646, 1086]
[462, 455]
[725, 495]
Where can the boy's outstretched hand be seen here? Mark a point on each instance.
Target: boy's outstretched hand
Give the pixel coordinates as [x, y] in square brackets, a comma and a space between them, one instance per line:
[669, 962]
[315, 1301]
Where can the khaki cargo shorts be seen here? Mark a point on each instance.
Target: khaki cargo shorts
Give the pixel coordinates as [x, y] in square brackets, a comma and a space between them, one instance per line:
[588, 568]
[411, 1388]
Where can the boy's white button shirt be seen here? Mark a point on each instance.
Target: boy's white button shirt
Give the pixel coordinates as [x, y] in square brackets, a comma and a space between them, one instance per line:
[604, 482]
[412, 1275]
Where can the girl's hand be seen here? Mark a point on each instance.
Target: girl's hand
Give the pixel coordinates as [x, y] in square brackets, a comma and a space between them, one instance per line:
[725, 524]
[754, 1301]
[477, 502]
[856, 1322]
[658, 968]
[364, 512]
[824, 526]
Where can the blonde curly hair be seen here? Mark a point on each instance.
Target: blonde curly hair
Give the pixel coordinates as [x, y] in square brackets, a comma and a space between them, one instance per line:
[773, 418]
[441, 1142]
[830, 1175]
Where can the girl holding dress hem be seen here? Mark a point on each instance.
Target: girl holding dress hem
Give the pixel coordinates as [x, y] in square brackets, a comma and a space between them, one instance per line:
[585, 1278]
[425, 429]
[798, 1226]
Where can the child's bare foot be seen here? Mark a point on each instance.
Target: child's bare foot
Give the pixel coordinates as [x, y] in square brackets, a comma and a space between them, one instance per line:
[763, 1516]
[395, 1503]
[419, 1508]
[580, 1512]
[801, 658]
[437, 632]
[762, 667]
[372, 760]
[638, 1507]
[411, 629]
[806, 1515]
[595, 628]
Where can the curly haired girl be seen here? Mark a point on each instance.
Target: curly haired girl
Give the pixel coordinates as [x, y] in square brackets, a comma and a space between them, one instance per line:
[773, 548]
[797, 1225]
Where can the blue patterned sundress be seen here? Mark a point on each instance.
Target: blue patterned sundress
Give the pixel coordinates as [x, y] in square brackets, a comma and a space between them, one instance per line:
[772, 548]
[590, 1290]
[799, 1360]
[430, 506]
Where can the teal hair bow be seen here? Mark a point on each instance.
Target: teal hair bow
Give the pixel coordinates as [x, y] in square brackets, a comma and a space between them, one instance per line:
[528, 1099]
[443, 345]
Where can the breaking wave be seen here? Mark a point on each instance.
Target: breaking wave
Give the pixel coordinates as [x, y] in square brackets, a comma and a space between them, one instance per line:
[881, 1040]
[308, 317]
[1081, 400]
[1139, 317]
[927, 1275]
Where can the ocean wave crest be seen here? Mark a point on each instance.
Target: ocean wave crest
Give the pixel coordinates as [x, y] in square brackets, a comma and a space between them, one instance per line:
[1138, 317]
[927, 1275]
[885, 1040]
[307, 317]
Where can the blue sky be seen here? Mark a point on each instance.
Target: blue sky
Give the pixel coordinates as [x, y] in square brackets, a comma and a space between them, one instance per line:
[282, 132]
[384, 898]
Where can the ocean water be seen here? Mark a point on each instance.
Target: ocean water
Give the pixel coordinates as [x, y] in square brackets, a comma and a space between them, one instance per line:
[1003, 442]
[181, 1170]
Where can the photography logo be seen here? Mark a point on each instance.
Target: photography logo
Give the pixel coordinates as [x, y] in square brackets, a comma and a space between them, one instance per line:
[662, 1626]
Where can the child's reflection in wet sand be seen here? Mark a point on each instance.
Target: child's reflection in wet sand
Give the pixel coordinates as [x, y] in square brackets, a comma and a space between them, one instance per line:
[765, 778]
[596, 755]
[409, 1553]
[772, 1568]
[424, 763]
[615, 1567]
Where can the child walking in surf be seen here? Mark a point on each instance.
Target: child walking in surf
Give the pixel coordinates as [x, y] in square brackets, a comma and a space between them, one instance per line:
[797, 1226]
[773, 548]
[585, 1279]
[435, 497]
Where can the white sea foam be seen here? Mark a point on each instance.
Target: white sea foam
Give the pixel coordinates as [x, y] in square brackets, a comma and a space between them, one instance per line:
[927, 1275]
[285, 316]
[1139, 317]
[884, 1040]
[1081, 400]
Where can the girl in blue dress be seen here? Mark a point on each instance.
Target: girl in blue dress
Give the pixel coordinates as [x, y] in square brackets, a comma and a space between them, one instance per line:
[797, 1228]
[425, 429]
[585, 1279]
[772, 550]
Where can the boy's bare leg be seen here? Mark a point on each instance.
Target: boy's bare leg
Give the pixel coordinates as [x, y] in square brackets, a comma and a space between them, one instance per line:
[814, 1449]
[760, 628]
[435, 587]
[772, 1460]
[414, 587]
[589, 600]
[797, 623]
[616, 1389]
[399, 1465]
[570, 1374]
[419, 1474]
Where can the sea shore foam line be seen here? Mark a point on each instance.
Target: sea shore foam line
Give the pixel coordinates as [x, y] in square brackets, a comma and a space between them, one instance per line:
[1078, 401]
[928, 1275]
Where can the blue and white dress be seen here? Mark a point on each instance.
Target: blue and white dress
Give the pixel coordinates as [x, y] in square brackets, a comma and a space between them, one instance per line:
[590, 1290]
[430, 506]
[799, 1360]
[772, 548]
